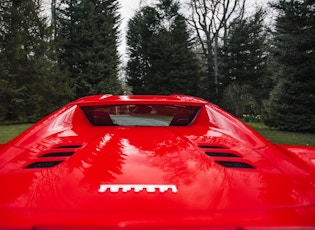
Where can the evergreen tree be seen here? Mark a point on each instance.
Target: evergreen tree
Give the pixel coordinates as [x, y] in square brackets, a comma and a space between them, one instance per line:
[160, 50]
[89, 32]
[292, 102]
[29, 89]
[244, 65]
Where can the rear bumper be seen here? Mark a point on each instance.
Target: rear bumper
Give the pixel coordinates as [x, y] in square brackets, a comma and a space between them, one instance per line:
[277, 218]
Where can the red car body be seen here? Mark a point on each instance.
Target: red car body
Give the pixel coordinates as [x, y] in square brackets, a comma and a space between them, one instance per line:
[72, 170]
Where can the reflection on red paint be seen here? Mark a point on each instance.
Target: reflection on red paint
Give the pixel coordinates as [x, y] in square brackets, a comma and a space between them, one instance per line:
[169, 177]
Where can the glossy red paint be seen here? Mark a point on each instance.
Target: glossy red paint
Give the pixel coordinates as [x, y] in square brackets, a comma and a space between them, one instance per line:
[226, 175]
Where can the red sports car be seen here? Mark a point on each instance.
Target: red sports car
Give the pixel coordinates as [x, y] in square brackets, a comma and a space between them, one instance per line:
[152, 162]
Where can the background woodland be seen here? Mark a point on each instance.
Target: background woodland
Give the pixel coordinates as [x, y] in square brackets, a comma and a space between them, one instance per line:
[257, 64]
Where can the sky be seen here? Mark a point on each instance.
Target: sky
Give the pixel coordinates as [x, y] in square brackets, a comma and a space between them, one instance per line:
[127, 10]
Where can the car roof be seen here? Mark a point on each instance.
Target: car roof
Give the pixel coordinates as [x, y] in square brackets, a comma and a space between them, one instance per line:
[107, 99]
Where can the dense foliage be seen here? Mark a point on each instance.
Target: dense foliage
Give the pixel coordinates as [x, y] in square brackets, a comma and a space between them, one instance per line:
[244, 65]
[292, 102]
[31, 83]
[160, 50]
[223, 55]
[88, 33]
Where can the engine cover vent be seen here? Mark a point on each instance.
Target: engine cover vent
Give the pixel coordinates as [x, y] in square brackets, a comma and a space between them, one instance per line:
[54, 156]
[223, 156]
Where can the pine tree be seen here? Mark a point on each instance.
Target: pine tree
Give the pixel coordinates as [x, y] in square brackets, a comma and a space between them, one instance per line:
[160, 50]
[292, 102]
[88, 31]
[28, 87]
[244, 65]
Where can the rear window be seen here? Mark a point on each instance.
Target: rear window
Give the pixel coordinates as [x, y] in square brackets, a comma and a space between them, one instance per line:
[141, 115]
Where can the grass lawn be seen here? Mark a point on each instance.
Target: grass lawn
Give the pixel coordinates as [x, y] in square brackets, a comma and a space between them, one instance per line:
[7, 132]
[282, 137]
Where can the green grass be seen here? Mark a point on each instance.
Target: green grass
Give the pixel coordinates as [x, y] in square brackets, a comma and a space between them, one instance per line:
[7, 132]
[282, 137]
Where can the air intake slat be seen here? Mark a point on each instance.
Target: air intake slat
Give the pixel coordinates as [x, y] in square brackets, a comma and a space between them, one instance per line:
[58, 154]
[232, 164]
[43, 164]
[221, 154]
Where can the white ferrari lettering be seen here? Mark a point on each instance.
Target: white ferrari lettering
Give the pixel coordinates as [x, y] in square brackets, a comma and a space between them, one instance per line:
[150, 188]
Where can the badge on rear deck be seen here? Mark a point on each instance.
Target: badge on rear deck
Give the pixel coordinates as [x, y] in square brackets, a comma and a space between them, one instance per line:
[150, 188]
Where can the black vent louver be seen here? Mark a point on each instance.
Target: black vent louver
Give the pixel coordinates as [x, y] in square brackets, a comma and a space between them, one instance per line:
[234, 164]
[53, 157]
[225, 157]
[58, 154]
[219, 154]
[43, 164]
